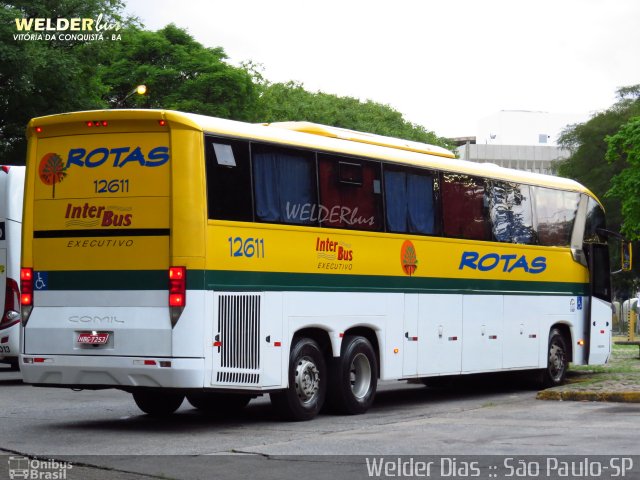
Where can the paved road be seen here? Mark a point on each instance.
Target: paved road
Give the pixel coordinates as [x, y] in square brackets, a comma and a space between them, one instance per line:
[107, 429]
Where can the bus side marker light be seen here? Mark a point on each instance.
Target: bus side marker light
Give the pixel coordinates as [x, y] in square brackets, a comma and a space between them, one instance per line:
[31, 360]
[453, 339]
[217, 344]
[277, 344]
[581, 342]
[165, 364]
[396, 350]
[146, 363]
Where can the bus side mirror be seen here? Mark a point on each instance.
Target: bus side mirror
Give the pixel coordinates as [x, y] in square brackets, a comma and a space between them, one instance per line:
[625, 256]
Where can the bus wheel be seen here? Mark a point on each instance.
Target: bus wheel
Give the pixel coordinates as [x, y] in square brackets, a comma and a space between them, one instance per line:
[158, 403]
[213, 402]
[557, 362]
[304, 397]
[354, 377]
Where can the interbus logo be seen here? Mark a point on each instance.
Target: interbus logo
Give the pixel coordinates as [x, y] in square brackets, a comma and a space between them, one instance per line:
[93, 215]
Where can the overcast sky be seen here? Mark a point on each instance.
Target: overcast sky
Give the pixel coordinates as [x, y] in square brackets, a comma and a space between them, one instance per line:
[444, 64]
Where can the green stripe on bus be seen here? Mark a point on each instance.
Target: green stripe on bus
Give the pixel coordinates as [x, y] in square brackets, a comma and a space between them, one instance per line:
[278, 281]
[239, 281]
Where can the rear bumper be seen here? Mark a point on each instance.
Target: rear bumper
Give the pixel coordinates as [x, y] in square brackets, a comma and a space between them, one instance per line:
[78, 371]
[10, 342]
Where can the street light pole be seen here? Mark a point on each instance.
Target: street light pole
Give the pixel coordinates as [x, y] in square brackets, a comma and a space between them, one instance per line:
[140, 90]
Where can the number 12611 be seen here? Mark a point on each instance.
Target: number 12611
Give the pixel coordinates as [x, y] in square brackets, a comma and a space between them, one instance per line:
[246, 247]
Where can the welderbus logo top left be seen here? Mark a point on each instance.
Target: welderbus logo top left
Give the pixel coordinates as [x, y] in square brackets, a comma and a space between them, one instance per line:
[36, 469]
[67, 29]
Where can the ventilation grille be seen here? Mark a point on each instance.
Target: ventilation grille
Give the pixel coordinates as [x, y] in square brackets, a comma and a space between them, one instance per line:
[239, 334]
[238, 377]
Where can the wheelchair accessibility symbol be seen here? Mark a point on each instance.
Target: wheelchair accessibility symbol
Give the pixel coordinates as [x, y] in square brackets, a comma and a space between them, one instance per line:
[41, 281]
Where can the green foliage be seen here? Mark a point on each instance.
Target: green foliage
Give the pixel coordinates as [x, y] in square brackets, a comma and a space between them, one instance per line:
[588, 164]
[290, 101]
[588, 144]
[624, 146]
[180, 74]
[39, 77]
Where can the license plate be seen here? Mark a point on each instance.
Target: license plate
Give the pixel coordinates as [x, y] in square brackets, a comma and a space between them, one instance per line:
[91, 338]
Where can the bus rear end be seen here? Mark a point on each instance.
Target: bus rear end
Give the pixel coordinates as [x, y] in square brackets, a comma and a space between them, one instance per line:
[101, 295]
[11, 193]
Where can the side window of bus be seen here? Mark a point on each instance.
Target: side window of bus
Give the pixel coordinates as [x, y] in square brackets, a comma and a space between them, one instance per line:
[464, 207]
[284, 185]
[555, 212]
[228, 179]
[411, 200]
[510, 210]
[595, 220]
[350, 193]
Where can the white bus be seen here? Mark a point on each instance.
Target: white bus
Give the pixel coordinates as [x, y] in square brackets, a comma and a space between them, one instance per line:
[11, 193]
[174, 255]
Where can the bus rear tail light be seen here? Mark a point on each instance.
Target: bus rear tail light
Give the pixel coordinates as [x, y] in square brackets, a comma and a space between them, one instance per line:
[177, 292]
[11, 314]
[26, 297]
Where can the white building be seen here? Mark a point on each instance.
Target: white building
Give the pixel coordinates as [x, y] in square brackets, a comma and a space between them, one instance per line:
[519, 139]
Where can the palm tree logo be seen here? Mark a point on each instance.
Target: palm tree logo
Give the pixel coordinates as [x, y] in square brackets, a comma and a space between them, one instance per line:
[408, 258]
[52, 171]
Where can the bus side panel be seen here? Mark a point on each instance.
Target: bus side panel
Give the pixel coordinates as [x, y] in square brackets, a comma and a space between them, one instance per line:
[482, 332]
[440, 334]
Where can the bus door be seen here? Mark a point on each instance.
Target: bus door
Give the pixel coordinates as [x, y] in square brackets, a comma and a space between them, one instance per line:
[599, 329]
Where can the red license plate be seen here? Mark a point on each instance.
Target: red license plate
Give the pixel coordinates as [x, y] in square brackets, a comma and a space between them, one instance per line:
[91, 338]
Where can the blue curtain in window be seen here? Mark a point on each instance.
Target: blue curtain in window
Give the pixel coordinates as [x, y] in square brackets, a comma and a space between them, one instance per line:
[409, 202]
[420, 204]
[395, 186]
[283, 188]
[265, 173]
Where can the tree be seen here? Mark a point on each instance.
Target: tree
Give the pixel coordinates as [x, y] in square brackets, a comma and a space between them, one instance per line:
[624, 147]
[290, 101]
[588, 164]
[180, 73]
[39, 77]
[587, 142]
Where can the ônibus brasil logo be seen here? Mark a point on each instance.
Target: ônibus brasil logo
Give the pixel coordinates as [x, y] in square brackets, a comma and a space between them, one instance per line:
[51, 171]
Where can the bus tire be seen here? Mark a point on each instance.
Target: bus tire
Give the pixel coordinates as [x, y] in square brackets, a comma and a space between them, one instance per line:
[305, 395]
[557, 361]
[353, 377]
[158, 403]
[214, 402]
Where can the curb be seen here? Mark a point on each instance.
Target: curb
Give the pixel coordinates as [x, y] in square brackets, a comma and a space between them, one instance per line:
[589, 396]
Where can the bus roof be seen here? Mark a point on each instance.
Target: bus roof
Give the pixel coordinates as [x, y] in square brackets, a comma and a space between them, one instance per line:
[322, 137]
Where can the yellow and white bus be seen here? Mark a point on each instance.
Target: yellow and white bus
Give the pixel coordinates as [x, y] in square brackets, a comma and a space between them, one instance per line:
[170, 254]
